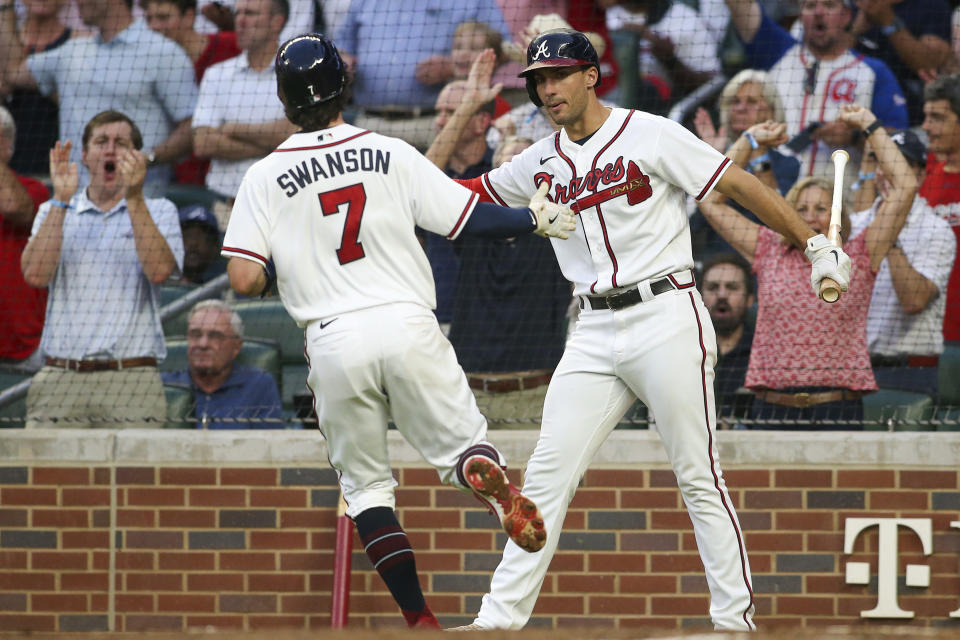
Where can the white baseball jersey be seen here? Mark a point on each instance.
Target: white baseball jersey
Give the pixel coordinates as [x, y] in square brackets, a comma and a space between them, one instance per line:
[624, 184]
[336, 210]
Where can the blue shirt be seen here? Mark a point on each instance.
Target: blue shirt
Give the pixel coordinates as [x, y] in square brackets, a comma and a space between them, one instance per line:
[248, 393]
[139, 73]
[390, 38]
[101, 304]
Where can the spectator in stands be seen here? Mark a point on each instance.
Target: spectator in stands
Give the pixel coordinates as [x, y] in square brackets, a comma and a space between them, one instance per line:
[665, 51]
[727, 288]
[909, 36]
[384, 45]
[127, 67]
[175, 19]
[201, 245]
[905, 323]
[941, 187]
[817, 77]
[34, 113]
[225, 391]
[102, 252]
[238, 119]
[23, 307]
[219, 15]
[809, 361]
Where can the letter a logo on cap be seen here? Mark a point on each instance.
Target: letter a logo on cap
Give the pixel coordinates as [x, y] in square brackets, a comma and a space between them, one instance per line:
[542, 51]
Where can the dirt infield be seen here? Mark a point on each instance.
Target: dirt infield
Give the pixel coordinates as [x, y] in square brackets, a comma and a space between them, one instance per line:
[824, 633]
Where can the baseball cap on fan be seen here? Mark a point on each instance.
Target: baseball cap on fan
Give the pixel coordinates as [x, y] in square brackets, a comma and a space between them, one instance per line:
[910, 146]
[198, 214]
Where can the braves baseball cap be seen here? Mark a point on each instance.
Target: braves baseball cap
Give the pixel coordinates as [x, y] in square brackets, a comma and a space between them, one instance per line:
[910, 146]
[198, 214]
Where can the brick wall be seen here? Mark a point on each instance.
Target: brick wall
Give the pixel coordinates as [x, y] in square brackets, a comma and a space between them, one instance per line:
[250, 546]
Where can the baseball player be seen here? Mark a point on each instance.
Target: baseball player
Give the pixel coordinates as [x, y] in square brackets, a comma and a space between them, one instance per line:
[643, 331]
[335, 208]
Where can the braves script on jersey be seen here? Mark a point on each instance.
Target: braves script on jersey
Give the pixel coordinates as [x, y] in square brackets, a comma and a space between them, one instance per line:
[305, 204]
[628, 183]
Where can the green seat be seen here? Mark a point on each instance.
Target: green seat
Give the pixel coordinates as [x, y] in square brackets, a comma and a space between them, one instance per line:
[13, 413]
[184, 195]
[893, 404]
[170, 292]
[180, 405]
[262, 353]
[948, 380]
[269, 319]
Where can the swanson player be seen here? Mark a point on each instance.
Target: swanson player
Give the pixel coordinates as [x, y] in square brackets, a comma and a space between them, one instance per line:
[643, 331]
[335, 207]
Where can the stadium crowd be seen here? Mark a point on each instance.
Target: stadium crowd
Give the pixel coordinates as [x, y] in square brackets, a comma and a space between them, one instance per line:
[125, 130]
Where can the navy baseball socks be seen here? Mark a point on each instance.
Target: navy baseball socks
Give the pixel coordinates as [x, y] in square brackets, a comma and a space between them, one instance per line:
[389, 550]
[480, 470]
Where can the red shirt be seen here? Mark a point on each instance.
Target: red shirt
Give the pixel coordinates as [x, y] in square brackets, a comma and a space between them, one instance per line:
[220, 46]
[941, 189]
[23, 307]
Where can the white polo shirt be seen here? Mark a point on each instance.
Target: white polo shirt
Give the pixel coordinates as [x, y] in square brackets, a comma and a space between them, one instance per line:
[231, 91]
[930, 247]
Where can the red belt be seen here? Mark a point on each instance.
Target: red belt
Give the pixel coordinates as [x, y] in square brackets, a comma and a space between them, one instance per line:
[804, 400]
[86, 366]
[505, 382]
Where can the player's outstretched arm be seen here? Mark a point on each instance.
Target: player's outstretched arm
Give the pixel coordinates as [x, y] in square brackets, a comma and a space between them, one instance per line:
[542, 217]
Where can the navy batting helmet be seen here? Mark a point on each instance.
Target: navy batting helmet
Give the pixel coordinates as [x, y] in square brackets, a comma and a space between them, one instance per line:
[558, 48]
[309, 71]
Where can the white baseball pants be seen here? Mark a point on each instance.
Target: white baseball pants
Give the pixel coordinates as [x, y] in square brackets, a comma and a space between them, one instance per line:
[663, 352]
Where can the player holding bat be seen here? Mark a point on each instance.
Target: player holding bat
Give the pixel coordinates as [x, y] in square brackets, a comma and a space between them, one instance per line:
[809, 361]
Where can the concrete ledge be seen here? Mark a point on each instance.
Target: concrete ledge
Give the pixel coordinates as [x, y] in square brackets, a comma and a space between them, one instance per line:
[622, 448]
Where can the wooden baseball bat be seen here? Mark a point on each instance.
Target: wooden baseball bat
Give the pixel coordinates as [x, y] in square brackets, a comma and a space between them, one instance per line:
[830, 290]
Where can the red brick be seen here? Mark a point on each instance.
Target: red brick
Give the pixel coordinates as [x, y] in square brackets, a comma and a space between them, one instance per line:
[154, 539]
[754, 520]
[616, 562]
[675, 563]
[135, 603]
[155, 582]
[663, 478]
[58, 560]
[412, 477]
[825, 584]
[186, 561]
[61, 518]
[296, 498]
[825, 542]
[467, 541]
[438, 561]
[276, 582]
[594, 499]
[328, 539]
[27, 622]
[760, 562]
[649, 541]
[249, 477]
[249, 603]
[670, 520]
[247, 561]
[805, 521]
[648, 584]
[215, 582]
[805, 605]
[194, 602]
[566, 561]
[312, 519]
[13, 517]
[101, 475]
[134, 560]
[559, 604]
[190, 476]
[455, 499]
[898, 500]
[60, 602]
[586, 583]
[432, 519]
[218, 498]
[85, 581]
[775, 541]
[13, 559]
[414, 497]
[188, 518]
[27, 496]
[217, 622]
[606, 604]
[773, 499]
[278, 540]
[323, 582]
[323, 561]
[663, 498]
[306, 604]
[136, 475]
[86, 497]
[27, 581]
[85, 539]
[616, 478]
[679, 605]
[747, 477]
[153, 623]
[865, 478]
[928, 479]
[139, 518]
[802, 478]
[156, 497]
[101, 518]
[61, 475]
[575, 520]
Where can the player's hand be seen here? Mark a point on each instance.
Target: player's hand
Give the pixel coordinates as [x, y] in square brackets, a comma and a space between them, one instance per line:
[63, 173]
[827, 261]
[553, 220]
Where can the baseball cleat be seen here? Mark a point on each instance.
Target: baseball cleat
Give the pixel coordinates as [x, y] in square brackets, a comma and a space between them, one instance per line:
[518, 514]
